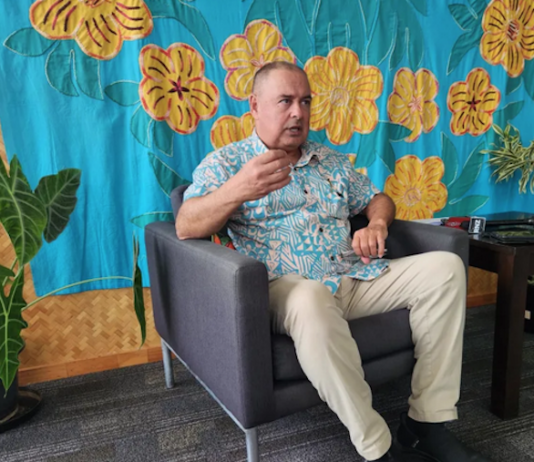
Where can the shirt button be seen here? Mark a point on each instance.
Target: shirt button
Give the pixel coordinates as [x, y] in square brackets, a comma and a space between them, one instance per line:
[332, 258]
[320, 230]
[305, 191]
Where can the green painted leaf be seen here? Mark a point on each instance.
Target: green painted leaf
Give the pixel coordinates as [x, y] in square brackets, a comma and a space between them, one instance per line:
[58, 194]
[388, 156]
[400, 46]
[261, 9]
[466, 206]
[382, 36]
[513, 84]
[11, 324]
[164, 137]
[140, 126]
[420, 5]
[28, 42]
[21, 212]
[87, 73]
[167, 178]
[479, 6]
[395, 132]
[368, 149]
[139, 302]
[187, 15]
[507, 113]
[415, 36]
[294, 30]
[308, 10]
[469, 174]
[58, 68]
[463, 16]
[333, 30]
[125, 93]
[142, 220]
[449, 155]
[462, 46]
[369, 7]
[528, 78]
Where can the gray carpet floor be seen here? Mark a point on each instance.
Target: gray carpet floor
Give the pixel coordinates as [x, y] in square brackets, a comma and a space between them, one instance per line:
[127, 415]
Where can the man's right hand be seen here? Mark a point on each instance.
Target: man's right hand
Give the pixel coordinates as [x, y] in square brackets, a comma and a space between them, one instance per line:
[261, 175]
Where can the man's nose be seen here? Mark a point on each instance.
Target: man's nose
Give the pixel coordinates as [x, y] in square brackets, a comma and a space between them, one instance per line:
[296, 110]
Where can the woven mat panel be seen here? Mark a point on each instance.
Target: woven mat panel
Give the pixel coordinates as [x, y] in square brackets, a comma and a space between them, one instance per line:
[481, 282]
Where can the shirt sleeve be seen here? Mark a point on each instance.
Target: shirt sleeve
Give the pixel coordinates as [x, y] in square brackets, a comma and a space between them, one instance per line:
[361, 191]
[209, 176]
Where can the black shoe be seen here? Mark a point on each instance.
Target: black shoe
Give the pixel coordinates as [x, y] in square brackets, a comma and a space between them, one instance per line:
[393, 455]
[432, 442]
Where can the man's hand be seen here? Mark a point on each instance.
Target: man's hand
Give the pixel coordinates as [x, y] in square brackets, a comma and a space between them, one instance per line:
[370, 241]
[262, 175]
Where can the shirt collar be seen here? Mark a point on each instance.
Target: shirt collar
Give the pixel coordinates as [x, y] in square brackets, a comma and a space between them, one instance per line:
[308, 148]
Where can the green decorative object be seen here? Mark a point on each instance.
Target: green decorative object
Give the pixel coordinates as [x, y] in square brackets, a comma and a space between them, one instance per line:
[509, 156]
[28, 216]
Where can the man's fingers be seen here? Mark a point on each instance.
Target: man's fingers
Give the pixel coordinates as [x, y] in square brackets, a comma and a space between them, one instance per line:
[381, 247]
[280, 184]
[277, 177]
[271, 155]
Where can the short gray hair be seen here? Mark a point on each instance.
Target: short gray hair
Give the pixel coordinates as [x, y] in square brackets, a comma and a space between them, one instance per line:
[264, 71]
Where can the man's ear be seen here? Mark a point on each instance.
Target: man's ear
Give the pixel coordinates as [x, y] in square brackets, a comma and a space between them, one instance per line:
[253, 104]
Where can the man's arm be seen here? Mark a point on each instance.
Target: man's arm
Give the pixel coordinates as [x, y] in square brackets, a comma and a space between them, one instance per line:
[371, 241]
[202, 216]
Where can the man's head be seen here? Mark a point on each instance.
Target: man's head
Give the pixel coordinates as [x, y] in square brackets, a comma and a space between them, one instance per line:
[280, 103]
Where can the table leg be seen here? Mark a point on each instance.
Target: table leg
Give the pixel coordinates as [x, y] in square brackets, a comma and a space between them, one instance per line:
[508, 344]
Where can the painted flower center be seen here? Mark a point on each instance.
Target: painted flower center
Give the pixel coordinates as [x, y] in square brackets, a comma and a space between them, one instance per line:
[412, 196]
[513, 30]
[178, 88]
[416, 105]
[258, 62]
[339, 97]
[473, 103]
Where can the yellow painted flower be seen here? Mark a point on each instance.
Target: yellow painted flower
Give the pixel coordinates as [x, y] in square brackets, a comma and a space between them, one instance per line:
[242, 56]
[473, 103]
[344, 94]
[508, 34]
[416, 187]
[412, 102]
[352, 158]
[99, 26]
[174, 87]
[229, 129]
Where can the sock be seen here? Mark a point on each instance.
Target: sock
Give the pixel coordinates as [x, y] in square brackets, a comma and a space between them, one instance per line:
[422, 429]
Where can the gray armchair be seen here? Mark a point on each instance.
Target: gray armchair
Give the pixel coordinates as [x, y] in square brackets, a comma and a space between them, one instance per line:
[211, 310]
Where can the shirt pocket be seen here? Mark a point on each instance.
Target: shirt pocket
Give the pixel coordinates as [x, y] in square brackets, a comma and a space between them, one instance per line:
[336, 201]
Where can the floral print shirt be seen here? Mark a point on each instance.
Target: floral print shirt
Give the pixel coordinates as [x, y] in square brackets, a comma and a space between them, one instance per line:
[302, 228]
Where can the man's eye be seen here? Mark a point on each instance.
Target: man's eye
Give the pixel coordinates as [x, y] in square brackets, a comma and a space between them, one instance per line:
[306, 102]
[285, 100]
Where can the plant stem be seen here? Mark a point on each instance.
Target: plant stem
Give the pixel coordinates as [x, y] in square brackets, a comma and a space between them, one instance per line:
[12, 266]
[37, 300]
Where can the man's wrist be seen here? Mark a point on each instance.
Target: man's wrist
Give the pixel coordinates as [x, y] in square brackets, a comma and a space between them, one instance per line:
[382, 222]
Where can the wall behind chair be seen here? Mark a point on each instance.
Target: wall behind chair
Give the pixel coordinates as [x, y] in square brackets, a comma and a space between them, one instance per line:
[136, 93]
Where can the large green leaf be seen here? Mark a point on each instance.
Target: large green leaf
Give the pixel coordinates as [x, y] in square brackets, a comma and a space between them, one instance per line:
[463, 16]
[309, 10]
[261, 9]
[469, 174]
[449, 155]
[164, 137]
[6, 272]
[528, 78]
[387, 154]
[142, 220]
[462, 46]
[58, 194]
[11, 324]
[58, 68]
[420, 5]
[21, 212]
[383, 34]
[28, 42]
[379, 141]
[139, 302]
[513, 84]
[464, 207]
[141, 126]
[167, 178]
[187, 15]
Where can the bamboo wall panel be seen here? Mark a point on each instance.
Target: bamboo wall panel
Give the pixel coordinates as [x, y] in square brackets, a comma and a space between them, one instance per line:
[97, 330]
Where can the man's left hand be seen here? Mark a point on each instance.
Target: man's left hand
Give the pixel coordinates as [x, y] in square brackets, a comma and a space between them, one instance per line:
[370, 241]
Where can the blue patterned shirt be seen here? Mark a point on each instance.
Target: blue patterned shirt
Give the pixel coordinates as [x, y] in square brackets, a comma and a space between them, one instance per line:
[302, 228]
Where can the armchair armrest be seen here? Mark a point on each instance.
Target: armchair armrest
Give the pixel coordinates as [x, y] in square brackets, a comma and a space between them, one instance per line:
[410, 238]
[211, 306]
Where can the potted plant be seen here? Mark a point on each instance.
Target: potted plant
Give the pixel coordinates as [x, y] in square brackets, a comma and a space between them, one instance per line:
[507, 157]
[29, 216]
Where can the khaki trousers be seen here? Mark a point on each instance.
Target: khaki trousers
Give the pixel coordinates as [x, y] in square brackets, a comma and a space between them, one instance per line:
[431, 286]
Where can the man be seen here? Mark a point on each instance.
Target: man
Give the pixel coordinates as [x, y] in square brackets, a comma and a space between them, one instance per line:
[287, 203]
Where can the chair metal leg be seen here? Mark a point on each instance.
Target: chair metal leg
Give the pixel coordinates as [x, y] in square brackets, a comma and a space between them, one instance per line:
[167, 365]
[253, 454]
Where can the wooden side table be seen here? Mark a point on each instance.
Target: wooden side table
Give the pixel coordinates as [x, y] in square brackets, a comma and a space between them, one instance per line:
[513, 264]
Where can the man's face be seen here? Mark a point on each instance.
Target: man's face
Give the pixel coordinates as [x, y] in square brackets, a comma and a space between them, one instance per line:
[281, 109]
